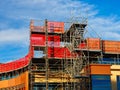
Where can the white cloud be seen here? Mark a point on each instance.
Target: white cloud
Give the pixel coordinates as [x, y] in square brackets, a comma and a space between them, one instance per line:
[106, 27]
[62, 10]
[14, 44]
[20, 36]
[111, 35]
[58, 10]
[51, 9]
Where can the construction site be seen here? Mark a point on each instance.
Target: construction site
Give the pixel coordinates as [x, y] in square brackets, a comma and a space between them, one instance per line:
[61, 57]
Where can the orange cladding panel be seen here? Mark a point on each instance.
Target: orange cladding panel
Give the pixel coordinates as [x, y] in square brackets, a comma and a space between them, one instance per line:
[100, 69]
[111, 46]
[57, 27]
[19, 80]
[93, 43]
[11, 84]
[4, 84]
[26, 81]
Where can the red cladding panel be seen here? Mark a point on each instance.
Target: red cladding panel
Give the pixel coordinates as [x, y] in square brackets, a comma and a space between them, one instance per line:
[82, 46]
[38, 39]
[59, 52]
[54, 41]
[15, 64]
[6, 67]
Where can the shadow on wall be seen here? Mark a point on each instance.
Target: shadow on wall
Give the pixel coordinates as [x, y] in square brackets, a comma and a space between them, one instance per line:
[114, 85]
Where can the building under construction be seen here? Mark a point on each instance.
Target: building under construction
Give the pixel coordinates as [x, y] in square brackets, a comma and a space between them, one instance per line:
[63, 58]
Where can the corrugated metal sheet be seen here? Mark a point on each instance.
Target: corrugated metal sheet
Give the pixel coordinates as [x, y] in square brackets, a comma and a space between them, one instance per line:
[101, 82]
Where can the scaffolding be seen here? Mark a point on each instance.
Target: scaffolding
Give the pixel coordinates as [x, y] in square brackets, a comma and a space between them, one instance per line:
[62, 57]
[66, 73]
[59, 60]
[48, 72]
[62, 66]
[75, 66]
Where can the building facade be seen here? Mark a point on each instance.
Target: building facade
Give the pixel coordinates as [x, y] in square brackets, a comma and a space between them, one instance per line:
[63, 58]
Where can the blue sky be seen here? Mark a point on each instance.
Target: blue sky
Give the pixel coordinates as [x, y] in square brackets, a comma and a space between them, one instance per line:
[103, 18]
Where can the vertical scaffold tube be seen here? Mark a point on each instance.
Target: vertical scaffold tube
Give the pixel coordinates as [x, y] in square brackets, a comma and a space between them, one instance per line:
[46, 51]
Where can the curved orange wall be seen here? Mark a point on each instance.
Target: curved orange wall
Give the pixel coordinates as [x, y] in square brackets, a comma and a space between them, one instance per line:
[22, 79]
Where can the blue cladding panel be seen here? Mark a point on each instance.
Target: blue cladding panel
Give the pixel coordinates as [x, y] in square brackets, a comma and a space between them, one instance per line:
[101, 77]
[101, 88]
[101, 82]
[109, 61]
[118, 82]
